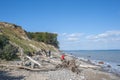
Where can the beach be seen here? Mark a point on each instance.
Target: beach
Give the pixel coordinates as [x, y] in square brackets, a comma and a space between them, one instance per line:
[85, 71]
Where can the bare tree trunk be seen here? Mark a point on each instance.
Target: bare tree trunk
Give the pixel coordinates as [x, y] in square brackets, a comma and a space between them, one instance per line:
[35, 62]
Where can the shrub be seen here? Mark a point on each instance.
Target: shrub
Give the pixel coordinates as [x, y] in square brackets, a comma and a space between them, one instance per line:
[7, 51]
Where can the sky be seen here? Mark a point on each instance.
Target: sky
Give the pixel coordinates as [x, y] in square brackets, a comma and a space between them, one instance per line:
[80, 24]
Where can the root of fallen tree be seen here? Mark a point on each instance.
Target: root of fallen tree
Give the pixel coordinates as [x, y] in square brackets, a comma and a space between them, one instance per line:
[70, 65]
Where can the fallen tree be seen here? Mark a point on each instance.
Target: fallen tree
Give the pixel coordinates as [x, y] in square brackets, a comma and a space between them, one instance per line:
[27, 68]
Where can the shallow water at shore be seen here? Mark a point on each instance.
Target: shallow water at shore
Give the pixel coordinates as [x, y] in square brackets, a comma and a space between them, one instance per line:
[110, 59]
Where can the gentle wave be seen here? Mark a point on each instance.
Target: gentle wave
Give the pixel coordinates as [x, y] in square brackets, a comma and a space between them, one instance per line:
[109, 58]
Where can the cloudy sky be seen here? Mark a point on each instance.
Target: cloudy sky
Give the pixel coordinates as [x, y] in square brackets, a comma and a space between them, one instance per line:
[83, 41]
[80, 24]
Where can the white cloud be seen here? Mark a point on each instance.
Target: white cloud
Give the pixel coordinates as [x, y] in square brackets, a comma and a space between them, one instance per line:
[72, 34]
[108, 35]
[72, 37]
[75, 34]
[63, 34]
[106, 40]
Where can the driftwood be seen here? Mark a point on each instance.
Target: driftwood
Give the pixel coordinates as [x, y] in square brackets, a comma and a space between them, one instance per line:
[88, 66]
[32, 60]
[71, 65]
[26, 68]
[31, 66]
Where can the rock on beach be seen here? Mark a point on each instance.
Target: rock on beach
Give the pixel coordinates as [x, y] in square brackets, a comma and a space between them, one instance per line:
[87, 71]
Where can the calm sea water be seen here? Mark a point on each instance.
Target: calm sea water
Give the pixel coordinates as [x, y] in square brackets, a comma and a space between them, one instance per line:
[103, 55]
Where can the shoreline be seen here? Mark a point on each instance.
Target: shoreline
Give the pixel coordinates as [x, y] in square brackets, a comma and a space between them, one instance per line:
[87, 71]
[110, 67]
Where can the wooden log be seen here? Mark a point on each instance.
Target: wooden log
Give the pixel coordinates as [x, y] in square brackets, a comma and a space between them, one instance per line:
[32, 60]
[88, 66]
[27, 68]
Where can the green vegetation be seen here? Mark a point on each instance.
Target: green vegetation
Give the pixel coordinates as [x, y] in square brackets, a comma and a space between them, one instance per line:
[7, 51]
[14, 41]
[48, 38]
[3, 41]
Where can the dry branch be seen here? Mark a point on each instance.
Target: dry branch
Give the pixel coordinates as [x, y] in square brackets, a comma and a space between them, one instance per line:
[32, 60]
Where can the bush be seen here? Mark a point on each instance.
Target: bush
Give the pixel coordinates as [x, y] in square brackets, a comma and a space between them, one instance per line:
[3, 41]
[7, 51]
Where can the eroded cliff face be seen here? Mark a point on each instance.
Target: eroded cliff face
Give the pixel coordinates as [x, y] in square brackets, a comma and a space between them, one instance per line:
[19, 38]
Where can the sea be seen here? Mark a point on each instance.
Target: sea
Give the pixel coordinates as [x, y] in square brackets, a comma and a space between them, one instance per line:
[110, 58]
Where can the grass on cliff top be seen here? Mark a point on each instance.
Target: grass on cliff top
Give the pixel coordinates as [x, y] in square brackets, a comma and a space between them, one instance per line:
[16, 38]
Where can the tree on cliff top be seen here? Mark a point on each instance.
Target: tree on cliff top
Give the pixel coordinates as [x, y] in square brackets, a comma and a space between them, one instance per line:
[48, 38]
